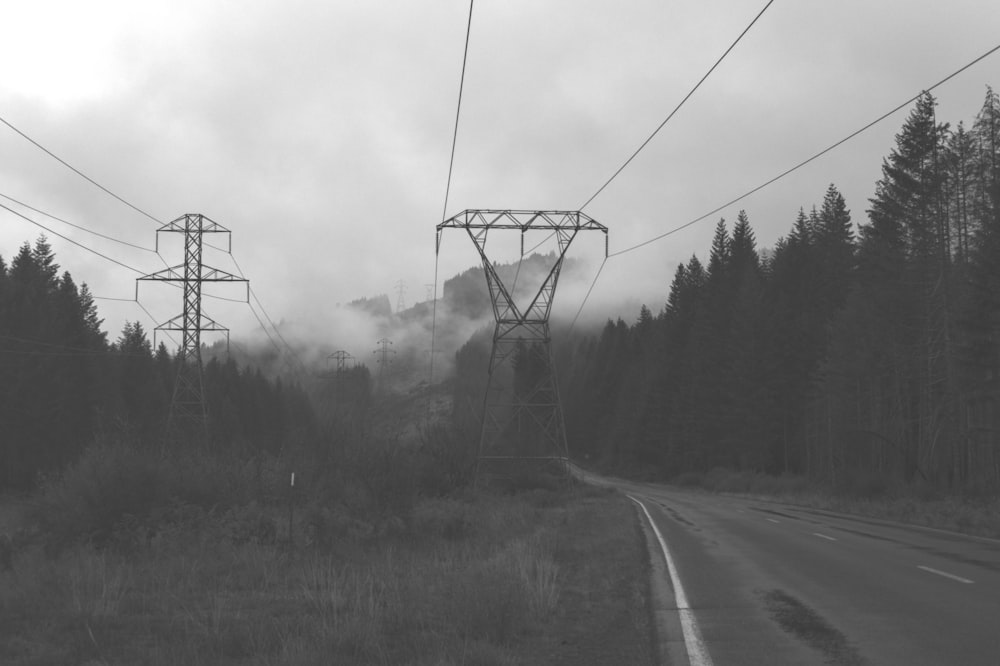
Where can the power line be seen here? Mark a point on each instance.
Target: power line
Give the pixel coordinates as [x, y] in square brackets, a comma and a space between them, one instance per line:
[112, 298]
[787, 171]
[239, 269]
[156, 323]
[807, 161]
[447, 189]
[458, 111]
[302, 367]
[80, 227]
[274, 344]
[75, 226]
[288, 347]
[95, 252]
[434, 307]
[677, 108]
[62, 350]
[587, 296]
[77, 171]
[68, 239]
[260, 321]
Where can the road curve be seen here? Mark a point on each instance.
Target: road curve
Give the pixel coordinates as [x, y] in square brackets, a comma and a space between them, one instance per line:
[770, 583]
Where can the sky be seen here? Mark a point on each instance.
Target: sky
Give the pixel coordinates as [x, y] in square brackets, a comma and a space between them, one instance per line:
[319, 133]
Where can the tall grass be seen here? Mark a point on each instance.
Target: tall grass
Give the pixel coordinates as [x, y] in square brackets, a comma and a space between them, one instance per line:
[136, 559]
[409, 597]
[862, 495]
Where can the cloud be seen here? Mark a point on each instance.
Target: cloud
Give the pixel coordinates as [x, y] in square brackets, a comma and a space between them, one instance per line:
[320, 133]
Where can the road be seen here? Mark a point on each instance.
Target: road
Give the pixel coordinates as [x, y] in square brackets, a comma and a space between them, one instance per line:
[770, 583]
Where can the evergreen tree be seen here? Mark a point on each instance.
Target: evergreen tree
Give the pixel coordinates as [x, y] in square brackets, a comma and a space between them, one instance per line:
[718, 257]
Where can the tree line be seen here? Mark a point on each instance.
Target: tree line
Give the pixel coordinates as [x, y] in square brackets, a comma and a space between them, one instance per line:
[63, 385]
[847, 353]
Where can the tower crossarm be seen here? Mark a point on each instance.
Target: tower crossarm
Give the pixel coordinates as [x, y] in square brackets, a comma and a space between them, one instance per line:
[171, 274]
[525, 220]
[210, 274]
[193, 223]
[176, 323]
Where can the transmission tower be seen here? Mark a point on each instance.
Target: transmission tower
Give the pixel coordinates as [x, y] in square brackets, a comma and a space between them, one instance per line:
[383, 356]
[522, 417]
[188, 414]
[341, 357]
[400, 287]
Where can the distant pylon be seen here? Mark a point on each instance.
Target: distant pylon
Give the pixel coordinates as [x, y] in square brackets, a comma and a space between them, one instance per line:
[522, 417]
[430, 292]
[188, 414]
[341, 357]
[400, 295]
[383, 358]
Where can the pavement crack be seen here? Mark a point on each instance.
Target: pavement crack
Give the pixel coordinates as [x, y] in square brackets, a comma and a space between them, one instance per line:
[807, 625]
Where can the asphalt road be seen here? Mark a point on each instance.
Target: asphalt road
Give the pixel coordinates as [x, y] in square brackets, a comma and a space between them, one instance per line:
[770, 583]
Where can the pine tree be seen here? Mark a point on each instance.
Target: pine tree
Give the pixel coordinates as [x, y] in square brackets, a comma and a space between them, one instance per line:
[51, 370]
[743, 257]
[718, 258]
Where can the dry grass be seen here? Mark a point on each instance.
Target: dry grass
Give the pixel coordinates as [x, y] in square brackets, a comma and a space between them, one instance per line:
[979, 516]
[475, 580]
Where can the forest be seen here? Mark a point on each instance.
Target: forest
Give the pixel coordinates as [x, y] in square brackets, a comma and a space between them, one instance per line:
[64, 386]
[856, 353]
[861, 354]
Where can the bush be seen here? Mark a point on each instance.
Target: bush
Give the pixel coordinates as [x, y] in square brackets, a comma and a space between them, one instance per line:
[108, 487]
[442, 518]
[116, 494]
[444, 462]
[863, 485]
[688, 479]
[375, 480]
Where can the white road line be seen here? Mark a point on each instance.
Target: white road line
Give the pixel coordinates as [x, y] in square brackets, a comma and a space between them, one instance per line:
[772, 520]
[697, 652]
[823, 536]
[946, 575]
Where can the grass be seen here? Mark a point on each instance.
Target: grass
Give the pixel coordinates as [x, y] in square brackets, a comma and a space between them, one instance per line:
[537, 577]
[918, 505]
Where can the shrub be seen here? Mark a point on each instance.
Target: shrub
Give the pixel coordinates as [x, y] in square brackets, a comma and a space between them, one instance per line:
[107, 487]
[376, 481]
[444, 462]
[863, 484]
[249, 523]
[688, 479]
[122, 495]
[442, 518]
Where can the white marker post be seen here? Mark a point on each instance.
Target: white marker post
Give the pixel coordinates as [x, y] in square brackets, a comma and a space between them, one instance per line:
[291, 508]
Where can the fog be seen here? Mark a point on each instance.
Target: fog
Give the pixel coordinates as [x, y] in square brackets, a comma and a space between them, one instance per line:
[320, 134]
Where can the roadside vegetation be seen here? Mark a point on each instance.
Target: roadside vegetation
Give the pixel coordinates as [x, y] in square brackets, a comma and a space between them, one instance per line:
[132, 558]
[870, 496]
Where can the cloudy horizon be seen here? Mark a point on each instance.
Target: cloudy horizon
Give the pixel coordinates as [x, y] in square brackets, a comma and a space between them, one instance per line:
[320, 133]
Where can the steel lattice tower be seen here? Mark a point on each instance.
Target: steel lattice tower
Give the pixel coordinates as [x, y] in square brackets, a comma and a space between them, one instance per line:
[188, 413]
[383, 359]
[341, 357]
[522, 418]
[400, 288]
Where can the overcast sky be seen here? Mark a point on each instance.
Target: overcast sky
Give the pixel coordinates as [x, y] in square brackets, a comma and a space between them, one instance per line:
[319, 132]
